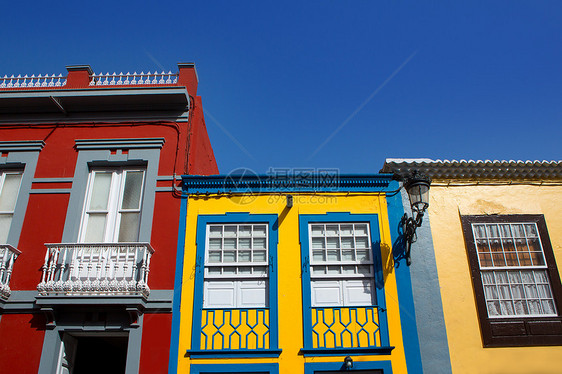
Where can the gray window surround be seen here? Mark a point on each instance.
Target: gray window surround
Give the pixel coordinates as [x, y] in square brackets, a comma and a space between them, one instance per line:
[22, 155]
[97, 153]
[53, 340]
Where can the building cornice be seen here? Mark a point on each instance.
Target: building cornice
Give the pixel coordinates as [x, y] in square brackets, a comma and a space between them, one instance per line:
[272, 184]
[476, 170]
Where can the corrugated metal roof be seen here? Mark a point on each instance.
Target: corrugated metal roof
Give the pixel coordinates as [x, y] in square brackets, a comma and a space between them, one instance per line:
[479, 169]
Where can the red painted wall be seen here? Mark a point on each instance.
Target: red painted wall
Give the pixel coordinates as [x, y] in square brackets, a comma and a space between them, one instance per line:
[155, 347]
[201, 156]
[43, 223]
[21, 337]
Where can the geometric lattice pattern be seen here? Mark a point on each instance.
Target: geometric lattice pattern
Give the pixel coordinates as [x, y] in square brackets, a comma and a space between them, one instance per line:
[345, 327]
[235, 329]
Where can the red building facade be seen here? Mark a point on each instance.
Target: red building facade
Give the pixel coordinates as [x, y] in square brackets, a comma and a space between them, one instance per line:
[90, 167]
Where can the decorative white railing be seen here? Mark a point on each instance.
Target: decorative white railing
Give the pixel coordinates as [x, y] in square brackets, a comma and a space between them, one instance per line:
[8, 255]
[133, 79]
[96, 269]
[33, 81]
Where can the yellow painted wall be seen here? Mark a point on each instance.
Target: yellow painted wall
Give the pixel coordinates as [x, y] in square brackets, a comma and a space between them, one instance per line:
[289, 272]
[447, 204]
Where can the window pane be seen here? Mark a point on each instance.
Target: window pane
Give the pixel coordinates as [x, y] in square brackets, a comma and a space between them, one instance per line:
[318, 270]
[360, 229]
[317, 230]
[215, 243]
[244, 243]
[493, 231]
[498, 258]
[259, 230]
[9, 193]
[531, 231]
[132, 190]
[318, 243]
[259, 256]
[508, 245]
[129, 227]
[333, 255]
[5, 221]
[95, 228]
[346, 229]
[100, 191]
[230, 231]
[244, 256]
[215, 231]
[229, 256]
[524, 258]
[230, 243]
[348, 255]
[537, 258]
[334, 270]
[362, 242]
[485, 259]
[332, 243]
[318, 255]
[518, 231]
[331, 230]
[482, 245]
[347, 243]
[511, 258]
[215, 256]
[245, 231]
[365, 270]
[480, 231]
[363, 255]
[259, 243]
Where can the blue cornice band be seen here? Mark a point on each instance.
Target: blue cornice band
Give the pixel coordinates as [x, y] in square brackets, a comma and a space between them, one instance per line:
[266, 183]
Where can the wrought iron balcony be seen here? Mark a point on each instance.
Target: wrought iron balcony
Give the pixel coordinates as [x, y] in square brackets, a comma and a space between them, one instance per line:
[8, 255]
[96, 269]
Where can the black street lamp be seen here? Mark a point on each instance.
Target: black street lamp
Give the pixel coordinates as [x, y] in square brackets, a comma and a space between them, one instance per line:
[417, 186]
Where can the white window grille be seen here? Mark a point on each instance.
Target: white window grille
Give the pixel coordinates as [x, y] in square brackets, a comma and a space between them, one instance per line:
[513, 269]
[9, 188]
[112, 209]
[341, 263]
[236, 266]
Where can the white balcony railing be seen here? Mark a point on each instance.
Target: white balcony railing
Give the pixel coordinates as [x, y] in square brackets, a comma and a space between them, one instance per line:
[8, 255]
[133, 79]
[96, 269]
[32, 81]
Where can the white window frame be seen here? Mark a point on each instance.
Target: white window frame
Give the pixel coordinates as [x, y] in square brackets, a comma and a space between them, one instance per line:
[492, 292]
[9, 213]
[114, 209]
[335, 281]
[236, 284]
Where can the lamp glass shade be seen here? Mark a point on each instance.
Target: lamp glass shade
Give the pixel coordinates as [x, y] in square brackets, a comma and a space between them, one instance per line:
[418, 192]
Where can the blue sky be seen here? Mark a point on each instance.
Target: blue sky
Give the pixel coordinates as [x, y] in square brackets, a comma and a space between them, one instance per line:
[326, 84]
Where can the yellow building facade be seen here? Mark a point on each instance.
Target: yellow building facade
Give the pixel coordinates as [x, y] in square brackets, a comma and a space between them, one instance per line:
[496, 230]
[293, 275]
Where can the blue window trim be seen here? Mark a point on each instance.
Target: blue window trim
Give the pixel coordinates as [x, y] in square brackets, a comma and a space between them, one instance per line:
[404, 285]
[176, 304]
[319, 367]
[202, 221]
[372, 219]
[233, 368]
